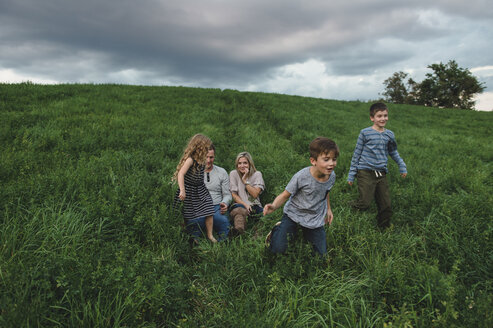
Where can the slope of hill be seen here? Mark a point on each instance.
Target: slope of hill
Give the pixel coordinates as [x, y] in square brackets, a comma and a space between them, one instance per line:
[88, 236]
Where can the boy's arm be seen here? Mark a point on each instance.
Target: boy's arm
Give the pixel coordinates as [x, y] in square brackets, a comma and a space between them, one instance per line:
[280, 199]
[394, 154]
[358, 150]
[330, 215]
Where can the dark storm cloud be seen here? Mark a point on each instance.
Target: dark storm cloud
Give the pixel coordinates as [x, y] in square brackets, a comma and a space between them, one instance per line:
[223, 42]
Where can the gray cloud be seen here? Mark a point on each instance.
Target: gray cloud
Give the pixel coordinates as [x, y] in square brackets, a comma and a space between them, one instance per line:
[234, 42]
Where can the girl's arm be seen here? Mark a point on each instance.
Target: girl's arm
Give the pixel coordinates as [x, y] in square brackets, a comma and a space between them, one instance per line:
[330, 215]
[181, 177]
[280, 199]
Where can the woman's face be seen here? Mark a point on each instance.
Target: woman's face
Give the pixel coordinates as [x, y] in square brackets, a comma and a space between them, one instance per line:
[243, 165]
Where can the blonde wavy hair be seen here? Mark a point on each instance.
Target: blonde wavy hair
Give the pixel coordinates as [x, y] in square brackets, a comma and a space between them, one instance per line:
[249, 159]
[197, 148]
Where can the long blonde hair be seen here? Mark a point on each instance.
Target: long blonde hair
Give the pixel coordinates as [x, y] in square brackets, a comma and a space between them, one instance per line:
[249, 159]
[197, 148]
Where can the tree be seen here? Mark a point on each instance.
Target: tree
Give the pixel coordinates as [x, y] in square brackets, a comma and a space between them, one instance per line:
[395, 90]
[448, 86]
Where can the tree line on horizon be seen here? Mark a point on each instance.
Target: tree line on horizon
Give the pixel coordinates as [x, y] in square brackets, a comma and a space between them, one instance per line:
[448, 86]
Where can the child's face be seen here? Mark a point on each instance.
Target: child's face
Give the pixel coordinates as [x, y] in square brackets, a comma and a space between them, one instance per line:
[324, 164]
[380, 118]
[243, 165]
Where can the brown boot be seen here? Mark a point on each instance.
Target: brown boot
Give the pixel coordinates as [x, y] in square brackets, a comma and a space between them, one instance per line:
[239, 215]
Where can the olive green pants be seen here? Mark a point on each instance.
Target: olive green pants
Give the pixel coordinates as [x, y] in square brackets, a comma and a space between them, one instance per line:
[374, 185]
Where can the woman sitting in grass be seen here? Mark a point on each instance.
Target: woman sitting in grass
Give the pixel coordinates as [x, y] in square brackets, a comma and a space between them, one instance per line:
[246, 184]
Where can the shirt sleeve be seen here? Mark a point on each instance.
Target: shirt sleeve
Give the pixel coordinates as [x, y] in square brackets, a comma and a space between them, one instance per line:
[358, 150]
[227, 198]
[257, 180]
[292, 186]
[394, 154]
[233, 183]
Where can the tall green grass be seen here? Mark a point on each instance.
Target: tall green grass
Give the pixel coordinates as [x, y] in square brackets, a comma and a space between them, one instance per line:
[89, 237]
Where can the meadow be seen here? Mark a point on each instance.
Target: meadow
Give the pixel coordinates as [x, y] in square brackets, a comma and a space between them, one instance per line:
[89, 237]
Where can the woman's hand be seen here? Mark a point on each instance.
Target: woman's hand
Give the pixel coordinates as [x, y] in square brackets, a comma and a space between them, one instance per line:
[182, 194]
[245, 175]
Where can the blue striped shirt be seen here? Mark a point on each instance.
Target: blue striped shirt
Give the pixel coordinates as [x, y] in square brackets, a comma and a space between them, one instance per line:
[372, 150]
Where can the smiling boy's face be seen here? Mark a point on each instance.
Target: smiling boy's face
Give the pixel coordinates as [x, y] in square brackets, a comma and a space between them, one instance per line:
[380, 119]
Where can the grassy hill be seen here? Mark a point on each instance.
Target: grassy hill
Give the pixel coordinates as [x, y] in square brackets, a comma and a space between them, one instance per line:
[88, 236]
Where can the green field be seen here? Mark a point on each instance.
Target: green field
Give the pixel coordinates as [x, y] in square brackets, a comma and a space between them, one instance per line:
[88, 236]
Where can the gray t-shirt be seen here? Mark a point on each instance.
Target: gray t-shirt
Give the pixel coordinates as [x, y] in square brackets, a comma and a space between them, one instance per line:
[308, 202]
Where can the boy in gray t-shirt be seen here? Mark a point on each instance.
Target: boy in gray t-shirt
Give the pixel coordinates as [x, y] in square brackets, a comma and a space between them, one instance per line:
[307, 196]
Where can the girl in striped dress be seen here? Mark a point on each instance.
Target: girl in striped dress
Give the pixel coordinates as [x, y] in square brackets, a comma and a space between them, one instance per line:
[192, 192]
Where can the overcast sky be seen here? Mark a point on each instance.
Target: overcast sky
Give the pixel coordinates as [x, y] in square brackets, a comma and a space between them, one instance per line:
[335, 49]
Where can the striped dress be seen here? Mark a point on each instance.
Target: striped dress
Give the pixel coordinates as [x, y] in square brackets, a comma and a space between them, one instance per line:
[198, 200]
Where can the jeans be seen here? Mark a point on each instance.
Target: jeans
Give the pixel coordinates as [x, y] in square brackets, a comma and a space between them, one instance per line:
[280, 233]
[196, 227]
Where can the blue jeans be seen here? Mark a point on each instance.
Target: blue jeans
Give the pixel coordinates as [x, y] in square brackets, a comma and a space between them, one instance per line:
[196, 227]
[289, 228]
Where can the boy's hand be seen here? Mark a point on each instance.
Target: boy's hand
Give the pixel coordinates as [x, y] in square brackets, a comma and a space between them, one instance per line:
[403, 175]
[350, 183]
[269, 208]
[329, 217]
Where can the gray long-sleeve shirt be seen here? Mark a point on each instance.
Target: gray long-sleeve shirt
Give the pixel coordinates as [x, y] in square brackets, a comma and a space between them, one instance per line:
[218, 185]
[371, 151]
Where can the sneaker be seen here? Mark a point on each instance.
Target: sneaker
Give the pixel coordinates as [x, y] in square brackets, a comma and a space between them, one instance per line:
[269, 235]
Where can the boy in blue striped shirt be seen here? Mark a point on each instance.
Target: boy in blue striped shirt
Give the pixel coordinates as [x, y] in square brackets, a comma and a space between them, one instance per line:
[369, 164]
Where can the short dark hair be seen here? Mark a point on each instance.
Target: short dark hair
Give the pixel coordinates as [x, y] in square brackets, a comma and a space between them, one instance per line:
[322, 145]
[211, 147]
[377, 107]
